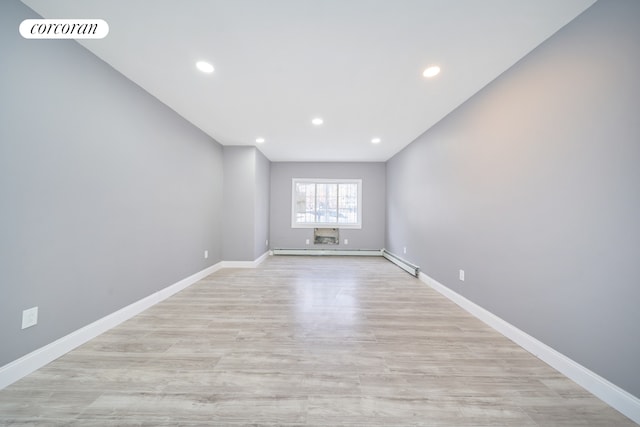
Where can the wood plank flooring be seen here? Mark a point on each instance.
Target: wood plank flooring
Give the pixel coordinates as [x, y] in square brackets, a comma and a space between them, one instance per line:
[303, 341]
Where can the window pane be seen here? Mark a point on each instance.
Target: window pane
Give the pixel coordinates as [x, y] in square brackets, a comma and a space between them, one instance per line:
[348, 202]
[326, 203]
[305, 202]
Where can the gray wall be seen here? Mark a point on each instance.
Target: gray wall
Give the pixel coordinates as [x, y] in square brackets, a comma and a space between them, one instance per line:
[106, 195]
[533, 188]
[246, 203]
[239, 203]
[371, 236]
[262, 193]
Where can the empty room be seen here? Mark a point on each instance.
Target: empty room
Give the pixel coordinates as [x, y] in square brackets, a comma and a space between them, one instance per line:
[320, 213]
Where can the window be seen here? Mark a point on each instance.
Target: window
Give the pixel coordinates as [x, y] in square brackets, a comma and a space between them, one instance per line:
[326, 203]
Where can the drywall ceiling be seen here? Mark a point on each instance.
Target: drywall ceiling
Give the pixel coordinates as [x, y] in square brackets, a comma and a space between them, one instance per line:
[279, 63]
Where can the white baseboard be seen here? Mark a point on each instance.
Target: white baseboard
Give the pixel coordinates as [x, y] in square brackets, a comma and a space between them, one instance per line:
[246, 264]
[28, 363]
[340, 252]
[623, 401]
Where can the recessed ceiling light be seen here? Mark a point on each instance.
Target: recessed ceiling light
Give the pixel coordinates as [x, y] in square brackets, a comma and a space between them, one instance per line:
[205, 67]
[376, 140]
[259, 140]
[317, 121]
[432, 71]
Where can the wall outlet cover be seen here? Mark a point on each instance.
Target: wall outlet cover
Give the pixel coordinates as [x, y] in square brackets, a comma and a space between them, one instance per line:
[29, 317]
[461, 275]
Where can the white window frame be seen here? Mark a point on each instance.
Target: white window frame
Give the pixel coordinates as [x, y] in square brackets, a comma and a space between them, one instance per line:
[295, 224]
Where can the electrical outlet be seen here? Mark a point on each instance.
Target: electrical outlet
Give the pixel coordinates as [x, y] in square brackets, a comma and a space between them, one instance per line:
[206, 254]
[461, 275]
[266, 242]
[29, 317]
[404, 250]
[346, 241]
[307, 242]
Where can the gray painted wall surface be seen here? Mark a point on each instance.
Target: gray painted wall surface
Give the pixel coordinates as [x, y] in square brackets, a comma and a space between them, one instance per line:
[262, 188]
[533, 188]
[107, 196]
[371, 236]
[239, 202]
[246, 201]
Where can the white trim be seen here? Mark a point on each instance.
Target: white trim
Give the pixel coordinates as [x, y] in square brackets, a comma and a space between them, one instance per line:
[245, 264]
[19, 368]
[623, 401]
[356, 252]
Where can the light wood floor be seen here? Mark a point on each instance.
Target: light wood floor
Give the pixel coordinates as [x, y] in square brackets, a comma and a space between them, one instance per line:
[322, 341]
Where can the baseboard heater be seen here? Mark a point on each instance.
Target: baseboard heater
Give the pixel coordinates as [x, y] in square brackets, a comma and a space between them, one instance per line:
[342, 252]
[414, 270]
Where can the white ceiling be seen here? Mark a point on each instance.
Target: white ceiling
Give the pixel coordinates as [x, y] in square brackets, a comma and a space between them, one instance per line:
[278, 63]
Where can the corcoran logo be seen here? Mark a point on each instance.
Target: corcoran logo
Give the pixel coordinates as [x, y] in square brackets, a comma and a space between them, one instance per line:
[64, 29]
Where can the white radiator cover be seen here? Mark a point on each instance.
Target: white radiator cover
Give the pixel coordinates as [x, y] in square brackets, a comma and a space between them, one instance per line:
[414, 270]
[340, 252]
